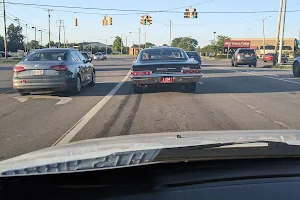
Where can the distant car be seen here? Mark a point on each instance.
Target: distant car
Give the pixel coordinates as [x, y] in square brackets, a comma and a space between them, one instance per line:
[2, 53]
[244, 56]
[164, 65]
[98, 56]
[195, 55]
[53, 70]
[104, 55]
[270, 56]
[87, 56]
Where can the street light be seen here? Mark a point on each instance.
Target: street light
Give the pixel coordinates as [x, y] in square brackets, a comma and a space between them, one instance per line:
[145, 34]
[263, 31]
[214, 36]
[41, 38]
[34, 33]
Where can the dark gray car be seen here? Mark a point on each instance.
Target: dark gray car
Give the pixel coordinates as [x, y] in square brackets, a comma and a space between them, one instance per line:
[244, 56]
[53, 70]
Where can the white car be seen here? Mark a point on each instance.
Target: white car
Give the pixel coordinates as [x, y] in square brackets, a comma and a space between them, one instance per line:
[98, 56]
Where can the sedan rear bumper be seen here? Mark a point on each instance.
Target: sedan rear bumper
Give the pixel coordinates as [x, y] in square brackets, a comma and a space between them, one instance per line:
[36, 84]
[156, 78]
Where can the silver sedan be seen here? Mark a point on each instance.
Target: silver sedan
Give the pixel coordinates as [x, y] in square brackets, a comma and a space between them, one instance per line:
[53, 70]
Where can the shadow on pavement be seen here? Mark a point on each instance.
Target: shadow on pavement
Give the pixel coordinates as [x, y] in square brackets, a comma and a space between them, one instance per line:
[6, 68]
[113, 69]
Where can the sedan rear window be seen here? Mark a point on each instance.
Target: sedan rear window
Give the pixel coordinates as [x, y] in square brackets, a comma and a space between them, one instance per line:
[247, 51]
[46, 56]
[162, 54]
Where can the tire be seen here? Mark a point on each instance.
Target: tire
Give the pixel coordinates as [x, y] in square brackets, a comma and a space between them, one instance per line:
[235, 64]
[191, 87]
[296, 69]
[254, 64]
[78, 86]
[249, 65]
[232, 64]
[265, 61]
[22, 93]
[93, 81]
[136, 89]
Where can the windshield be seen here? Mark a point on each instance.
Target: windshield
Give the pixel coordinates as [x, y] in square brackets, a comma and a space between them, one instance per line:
[136, 75]
[46, 56]
[162, 54]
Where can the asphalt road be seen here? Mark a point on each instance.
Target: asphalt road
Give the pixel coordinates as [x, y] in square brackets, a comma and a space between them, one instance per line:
[227, 98]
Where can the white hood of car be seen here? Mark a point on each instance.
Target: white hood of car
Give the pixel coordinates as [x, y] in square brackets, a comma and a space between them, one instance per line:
[103, 147]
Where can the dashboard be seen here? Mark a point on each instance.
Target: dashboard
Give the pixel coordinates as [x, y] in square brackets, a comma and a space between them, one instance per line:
[216, 179]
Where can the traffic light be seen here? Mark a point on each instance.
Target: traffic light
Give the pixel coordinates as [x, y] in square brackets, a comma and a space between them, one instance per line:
[109, 21]
[187, 13]
[143, 20]
[75, 22]
[149, 20]
[194, 14]
[104, 21]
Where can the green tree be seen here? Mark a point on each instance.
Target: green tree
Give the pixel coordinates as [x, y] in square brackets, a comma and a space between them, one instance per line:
[14, 38]
[220, 43]
[186, 43]
[1, 43]
[33, 44]
[52, 44]
[117, 44]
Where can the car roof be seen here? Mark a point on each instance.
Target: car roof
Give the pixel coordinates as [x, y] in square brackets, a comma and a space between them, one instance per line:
[159, 48]
[54, 49]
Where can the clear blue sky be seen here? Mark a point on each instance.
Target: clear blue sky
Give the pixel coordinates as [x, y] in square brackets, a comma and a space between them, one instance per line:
[90, 28]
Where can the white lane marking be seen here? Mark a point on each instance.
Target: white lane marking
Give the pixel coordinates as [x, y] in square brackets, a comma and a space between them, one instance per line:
[260, 112]
[279, 79]
[62, 100]
[71, 133]
[200, 83]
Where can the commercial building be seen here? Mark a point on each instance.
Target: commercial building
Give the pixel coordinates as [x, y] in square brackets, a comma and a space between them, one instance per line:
[290, 45]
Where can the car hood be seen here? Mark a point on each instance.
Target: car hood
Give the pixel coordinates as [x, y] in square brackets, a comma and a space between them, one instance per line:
[148, 144]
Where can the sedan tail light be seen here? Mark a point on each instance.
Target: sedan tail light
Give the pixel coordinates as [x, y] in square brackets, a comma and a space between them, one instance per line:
[140, 73]
[59, 68]
[238, 55]
[18, 69]
[192, 71]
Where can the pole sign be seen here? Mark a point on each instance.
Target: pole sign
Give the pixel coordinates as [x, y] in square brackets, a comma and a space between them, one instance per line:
[230, 46]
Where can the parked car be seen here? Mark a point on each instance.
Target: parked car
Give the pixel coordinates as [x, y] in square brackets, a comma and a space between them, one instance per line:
[53, 69]
[104, 55]
[195, 55]
[270, 56]
[164, 65]
[98, 56]
[244, 56]
[2, 53]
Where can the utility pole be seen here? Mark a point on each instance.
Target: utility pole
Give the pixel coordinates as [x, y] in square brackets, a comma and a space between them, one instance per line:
[139, 39]
[64, 36]
[145, 40]
[4, 21]
[126, 45]
[278, 31]
[106, 46]
[41, 38]
[49, 32]
[282, 32]
[170, 34]
[121, 45]
[91, 48]
[60, 25]
[26, 40]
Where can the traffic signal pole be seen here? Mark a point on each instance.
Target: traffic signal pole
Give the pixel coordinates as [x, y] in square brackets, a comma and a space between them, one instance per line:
[282, 33]
[170, 34]
[4, 21]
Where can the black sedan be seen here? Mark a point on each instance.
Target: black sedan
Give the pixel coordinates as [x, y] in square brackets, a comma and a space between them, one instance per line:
[53, 70]
[164, 65]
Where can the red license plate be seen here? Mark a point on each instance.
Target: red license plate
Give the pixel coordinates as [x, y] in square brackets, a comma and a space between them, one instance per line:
[166, 80]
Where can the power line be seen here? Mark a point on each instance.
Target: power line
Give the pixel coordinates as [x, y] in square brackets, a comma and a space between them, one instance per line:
[189, 5]
[144, 11]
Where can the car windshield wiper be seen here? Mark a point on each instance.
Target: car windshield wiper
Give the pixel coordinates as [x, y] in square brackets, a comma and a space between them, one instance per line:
[230, 150]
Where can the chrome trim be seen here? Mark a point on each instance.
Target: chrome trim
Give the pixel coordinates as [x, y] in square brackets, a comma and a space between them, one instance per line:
[167, 75]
